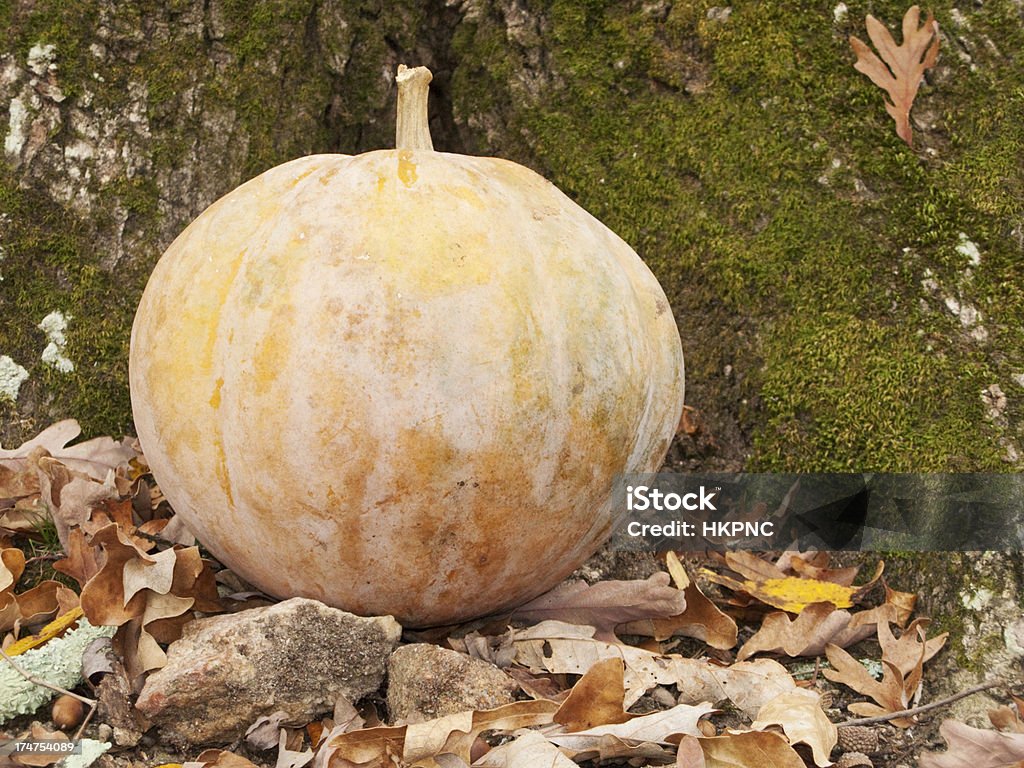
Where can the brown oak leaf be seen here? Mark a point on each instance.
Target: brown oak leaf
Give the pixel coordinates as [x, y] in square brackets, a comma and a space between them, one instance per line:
[975, 748]
[816, 626]
[901, 67]
[702, 619]
[94, 458]
[596, 699]
[606, 604]
[902, 667]
[750, 749]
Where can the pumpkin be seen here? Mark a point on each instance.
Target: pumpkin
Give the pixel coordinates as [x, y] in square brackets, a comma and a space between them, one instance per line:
[402, 382]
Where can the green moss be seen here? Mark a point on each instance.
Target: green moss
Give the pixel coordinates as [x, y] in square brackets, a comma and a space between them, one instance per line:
[762, 179]
[264, 78]
[50, 266]
[65, 24]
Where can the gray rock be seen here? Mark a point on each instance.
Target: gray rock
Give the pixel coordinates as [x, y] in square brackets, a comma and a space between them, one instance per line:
[426, 681]
[298, 656]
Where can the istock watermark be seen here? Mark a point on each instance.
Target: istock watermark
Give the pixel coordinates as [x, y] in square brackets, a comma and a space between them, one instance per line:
[641, 498]
[831, 512]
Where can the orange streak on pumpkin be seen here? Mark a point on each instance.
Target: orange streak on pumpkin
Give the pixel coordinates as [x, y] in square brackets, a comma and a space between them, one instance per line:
[406, 167]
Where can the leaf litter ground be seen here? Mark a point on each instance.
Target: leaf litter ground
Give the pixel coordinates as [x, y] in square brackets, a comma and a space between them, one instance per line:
[736, 659]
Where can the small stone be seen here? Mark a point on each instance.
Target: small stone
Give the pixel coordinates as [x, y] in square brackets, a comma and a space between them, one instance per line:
[298, 657]
[426, 681]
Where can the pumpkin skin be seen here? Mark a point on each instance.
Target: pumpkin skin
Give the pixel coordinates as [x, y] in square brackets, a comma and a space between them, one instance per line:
[402, 382]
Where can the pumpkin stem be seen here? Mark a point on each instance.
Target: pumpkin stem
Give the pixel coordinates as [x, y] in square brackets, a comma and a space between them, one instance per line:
[413, 131]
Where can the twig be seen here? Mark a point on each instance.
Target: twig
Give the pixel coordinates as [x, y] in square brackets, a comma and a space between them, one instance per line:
[924, 707]
[44, 558]
[37, 681]
[85, 721]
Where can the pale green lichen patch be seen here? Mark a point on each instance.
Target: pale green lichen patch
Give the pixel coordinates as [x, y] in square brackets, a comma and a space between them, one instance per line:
[12, 376]
[92, 750]
[54, 325]
[58, 662]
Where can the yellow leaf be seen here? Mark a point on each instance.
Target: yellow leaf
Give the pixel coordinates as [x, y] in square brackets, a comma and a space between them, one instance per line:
[675, 568]
[51, 630]
[791, 594]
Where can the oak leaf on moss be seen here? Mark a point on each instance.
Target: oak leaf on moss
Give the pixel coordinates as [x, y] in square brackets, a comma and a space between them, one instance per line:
[899, 69]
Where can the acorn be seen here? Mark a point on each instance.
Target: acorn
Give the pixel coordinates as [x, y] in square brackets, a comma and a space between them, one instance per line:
[858, 738]
[67, 712]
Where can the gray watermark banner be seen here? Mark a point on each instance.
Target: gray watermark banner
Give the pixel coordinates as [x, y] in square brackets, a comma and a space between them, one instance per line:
[830, 512]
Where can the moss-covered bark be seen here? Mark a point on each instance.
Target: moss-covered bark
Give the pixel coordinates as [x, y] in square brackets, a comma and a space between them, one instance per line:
[820, 270]
[124, 121]
[760, 177]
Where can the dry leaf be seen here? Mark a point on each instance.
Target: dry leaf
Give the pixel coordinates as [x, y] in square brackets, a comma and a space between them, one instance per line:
[911, 649]
[676, 570]
[892, 693]
[596, 699]
[789, 593]
[149, 597]
[751, 567]
[94, 458]
[901, 68]
[702, 619]
[37, 732]
[290, 758]
[80, 561]
[43, 602]
[453, 734]
[902, 667]
[903, 602]
[816, 558]
[607, 748]
[496, 650]
[219, 758]
[70, 497]
[655, 728]
[606, 604]
[816, 626]
[528, 750]
[567, 648]
[265, 732]
[801, 717]
[689, 753]
[1007, 718]
[750, 749]
[842, 576]
[12, 565]
[969, 747]
[18, 480]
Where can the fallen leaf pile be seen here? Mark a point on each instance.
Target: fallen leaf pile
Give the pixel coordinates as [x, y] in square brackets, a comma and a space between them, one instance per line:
[104, 513]
[598, 666]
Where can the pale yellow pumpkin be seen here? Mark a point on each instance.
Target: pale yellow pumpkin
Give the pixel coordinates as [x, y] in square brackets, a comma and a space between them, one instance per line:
[402, 382]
